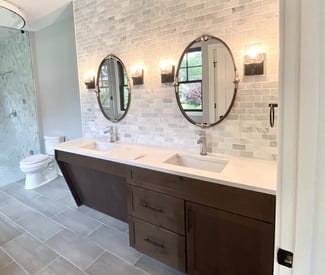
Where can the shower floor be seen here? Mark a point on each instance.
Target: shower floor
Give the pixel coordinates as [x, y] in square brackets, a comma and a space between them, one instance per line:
[9, 172]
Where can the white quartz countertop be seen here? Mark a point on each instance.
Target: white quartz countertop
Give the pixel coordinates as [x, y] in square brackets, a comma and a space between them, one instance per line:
[246, 173]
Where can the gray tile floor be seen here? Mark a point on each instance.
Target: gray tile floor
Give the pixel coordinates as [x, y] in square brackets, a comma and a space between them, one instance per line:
[43, 232]
[9, 171]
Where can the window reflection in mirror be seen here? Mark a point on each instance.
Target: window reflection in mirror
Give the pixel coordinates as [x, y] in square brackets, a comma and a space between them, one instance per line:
[206, 81]
[112, 88]
[190, 80]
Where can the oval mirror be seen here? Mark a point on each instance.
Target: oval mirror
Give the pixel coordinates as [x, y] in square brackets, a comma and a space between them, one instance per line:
[206, 81]
[112, 88]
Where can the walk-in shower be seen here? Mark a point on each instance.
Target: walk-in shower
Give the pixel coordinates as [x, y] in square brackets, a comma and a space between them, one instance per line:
[19, 134]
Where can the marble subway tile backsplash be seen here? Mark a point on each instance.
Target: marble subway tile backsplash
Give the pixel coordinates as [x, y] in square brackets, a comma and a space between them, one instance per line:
[149, 31]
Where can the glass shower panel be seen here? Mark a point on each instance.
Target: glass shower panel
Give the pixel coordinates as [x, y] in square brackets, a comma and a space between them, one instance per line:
[19, 132]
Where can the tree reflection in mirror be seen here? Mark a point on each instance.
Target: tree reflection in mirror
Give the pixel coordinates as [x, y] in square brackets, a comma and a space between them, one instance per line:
[206, 81]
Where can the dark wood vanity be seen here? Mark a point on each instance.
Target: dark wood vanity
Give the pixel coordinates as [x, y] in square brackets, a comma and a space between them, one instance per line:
[195, 226]
[97, 183]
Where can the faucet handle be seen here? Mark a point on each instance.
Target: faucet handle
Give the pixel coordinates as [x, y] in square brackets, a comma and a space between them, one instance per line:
[108, 129]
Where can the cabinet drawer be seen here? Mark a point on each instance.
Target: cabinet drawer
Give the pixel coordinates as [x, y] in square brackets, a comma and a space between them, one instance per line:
[161, 244]
[243, 202]
[156, 208]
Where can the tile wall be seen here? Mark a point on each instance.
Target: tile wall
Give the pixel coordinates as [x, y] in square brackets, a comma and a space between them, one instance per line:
[18, 135]
[149, 31]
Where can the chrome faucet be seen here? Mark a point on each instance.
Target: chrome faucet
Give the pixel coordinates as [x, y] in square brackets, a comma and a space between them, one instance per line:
[110, 130]
[203, 143]
[13, 113]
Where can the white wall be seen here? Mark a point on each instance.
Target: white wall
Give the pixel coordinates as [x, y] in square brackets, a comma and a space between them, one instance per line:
[56, 64]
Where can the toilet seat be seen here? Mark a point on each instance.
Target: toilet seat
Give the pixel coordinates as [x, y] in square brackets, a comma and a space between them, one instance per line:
[34, 159]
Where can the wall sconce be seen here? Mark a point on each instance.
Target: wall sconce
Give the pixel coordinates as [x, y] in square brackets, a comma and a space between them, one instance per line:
[137, 75]
[89, 80]
[167, 72]
[254, 61]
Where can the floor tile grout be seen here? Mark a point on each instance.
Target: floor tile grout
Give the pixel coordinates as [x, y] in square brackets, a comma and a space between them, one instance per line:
[46, 266]
[13, 260]
[95, 260]
[92, 231]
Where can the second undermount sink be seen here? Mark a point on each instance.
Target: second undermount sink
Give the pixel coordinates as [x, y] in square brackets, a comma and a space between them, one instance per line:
[206, 163]
[101, 146]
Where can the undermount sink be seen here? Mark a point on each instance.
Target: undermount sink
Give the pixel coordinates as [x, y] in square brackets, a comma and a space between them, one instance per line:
[206, 163]
[101, 146]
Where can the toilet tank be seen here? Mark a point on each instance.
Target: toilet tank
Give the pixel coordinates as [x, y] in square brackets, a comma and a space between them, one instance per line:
[50, 142]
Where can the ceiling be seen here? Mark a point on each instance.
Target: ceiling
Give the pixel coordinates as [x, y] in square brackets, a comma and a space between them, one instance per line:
[42, 13]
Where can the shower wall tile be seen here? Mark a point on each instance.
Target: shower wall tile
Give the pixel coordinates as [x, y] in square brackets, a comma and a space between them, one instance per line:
[19, 134]
[160, 30]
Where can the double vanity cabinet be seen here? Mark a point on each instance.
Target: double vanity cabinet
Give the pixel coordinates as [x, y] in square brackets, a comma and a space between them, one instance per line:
[193, 225]
[201, 227]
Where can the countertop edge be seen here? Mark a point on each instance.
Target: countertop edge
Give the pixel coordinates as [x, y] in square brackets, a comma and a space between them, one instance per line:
[166, 168]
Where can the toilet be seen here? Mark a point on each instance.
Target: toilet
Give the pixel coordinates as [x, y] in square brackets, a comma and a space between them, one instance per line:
[41, 168]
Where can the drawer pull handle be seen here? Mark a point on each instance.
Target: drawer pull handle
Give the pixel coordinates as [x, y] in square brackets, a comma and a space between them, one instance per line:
[153, 242]
[148, 206]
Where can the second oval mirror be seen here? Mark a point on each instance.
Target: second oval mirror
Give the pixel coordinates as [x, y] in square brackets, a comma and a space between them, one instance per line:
[206, 81]
[112, 88]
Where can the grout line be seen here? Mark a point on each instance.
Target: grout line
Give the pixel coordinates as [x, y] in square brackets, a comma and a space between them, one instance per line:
[138, 259]
[44, 267]
[111, 226]
[59, 213]
[60, 255]
[25, 230]
[13, 260]
[92, 231]
[116, 255]
[28, 206]
[13, 224]
[95, 260]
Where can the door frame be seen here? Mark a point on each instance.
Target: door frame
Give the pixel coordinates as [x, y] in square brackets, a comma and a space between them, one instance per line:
[301, 134]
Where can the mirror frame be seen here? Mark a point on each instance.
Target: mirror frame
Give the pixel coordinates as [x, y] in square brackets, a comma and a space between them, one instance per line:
[97, 89]
[205, 37]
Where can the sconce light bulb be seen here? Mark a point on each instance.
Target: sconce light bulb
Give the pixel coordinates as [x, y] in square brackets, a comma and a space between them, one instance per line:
[167, 71]
[137, 70]
[253, 52]
[164, 64]
[89, 76]
[166, 67]
[254, 60]
[89, 80]
[137, 75]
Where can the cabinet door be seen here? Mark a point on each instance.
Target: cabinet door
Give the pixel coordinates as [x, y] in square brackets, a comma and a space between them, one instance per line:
[222, 243]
